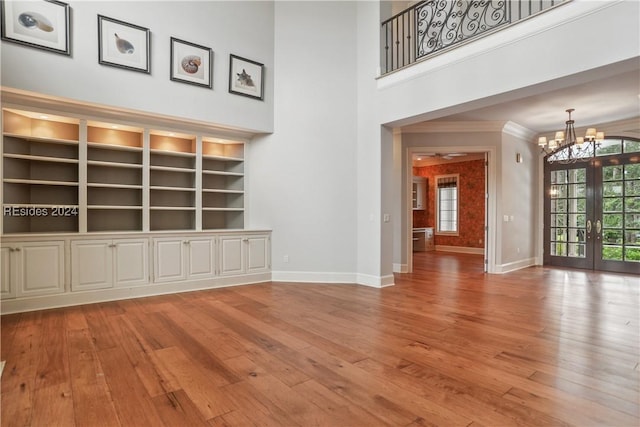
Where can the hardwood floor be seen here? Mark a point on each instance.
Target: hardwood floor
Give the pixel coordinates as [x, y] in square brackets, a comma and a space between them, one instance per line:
[448, 345]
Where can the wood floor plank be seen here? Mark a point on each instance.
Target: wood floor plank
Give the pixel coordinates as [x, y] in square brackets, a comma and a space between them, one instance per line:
[177, 410]
[448, 345]
[91, 396]
[133, 405]
[201, 386]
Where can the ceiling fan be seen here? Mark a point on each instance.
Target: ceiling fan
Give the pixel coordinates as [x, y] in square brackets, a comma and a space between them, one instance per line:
[445, 156]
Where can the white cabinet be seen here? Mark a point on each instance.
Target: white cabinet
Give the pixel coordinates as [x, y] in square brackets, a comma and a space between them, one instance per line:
[32, 269]
[184, 258]
[7, 288]
[419, 193]
[100, 264]
[244, 254]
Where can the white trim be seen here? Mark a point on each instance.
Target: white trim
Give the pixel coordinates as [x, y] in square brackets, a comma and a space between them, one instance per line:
[515, 265]
[375, 281]
[68, 299]
[313, 277]
[514, 129]
[460, 249]
[400, 268]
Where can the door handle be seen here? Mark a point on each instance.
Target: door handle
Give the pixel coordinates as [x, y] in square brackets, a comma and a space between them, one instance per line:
[589, 226]
[598, 228]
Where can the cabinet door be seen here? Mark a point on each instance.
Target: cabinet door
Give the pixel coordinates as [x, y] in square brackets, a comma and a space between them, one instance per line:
[40, 268]
[131, 265]
[8, 290]
[169, 259]
[231, 255]
[257, 254]
[91, 264]
[202, 255]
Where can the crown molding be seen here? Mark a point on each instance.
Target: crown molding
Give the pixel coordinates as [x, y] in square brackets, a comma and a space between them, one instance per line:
[18, 98]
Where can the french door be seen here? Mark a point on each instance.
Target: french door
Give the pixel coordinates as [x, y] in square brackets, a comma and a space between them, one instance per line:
[592, 213]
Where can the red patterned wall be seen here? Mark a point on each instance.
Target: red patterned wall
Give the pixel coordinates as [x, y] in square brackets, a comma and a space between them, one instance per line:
[472, 202]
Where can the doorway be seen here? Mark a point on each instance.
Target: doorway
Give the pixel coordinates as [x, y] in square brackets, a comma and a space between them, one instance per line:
[592, 210]
[475, 181]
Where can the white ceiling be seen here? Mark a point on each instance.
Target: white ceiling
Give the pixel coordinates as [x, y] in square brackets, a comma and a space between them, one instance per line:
[597, 101]
[600, 101]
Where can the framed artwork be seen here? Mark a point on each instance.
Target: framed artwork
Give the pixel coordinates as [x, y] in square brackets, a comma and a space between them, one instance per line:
[246, 77]
[191, 63]
[124, 45]
[41, 24]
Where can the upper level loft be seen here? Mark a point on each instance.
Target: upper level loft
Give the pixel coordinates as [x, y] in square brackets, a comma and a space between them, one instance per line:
[429, 27]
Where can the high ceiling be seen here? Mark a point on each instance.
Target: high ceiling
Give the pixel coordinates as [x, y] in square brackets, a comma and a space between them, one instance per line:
[605, 100]
[596, 101]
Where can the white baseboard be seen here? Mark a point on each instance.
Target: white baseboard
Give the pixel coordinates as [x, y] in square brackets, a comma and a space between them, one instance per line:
[313, 277]
[515, 265]
[67, 299]
[400, 268]
[376, 281]
[460, 249]
[333, 278]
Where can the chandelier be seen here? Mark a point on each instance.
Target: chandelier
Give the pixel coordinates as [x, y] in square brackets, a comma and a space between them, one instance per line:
[567, 148]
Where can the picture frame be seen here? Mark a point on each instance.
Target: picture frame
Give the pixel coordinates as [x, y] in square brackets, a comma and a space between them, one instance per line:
[44, 24]
[246, 77]
[124, 45]
[191, 63]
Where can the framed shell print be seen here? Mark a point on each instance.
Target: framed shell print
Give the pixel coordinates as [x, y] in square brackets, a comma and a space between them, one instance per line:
[246, 77]
[41, 24]
[191, 63]
[124, 45]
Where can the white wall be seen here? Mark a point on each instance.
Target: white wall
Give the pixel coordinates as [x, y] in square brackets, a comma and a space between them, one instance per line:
[243, 28]
[519, 200]
[303, 177]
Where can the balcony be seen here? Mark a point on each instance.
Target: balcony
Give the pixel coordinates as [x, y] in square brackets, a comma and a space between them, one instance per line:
[435, 26]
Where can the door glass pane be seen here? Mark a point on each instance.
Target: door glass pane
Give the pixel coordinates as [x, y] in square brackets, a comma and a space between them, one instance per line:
[632, 254]
[613, 188]
[612, 253]
[559, 206]
[568, 207]
[577, 190]
[612, 236]
[632, 204]
[621, 213]
[632, 220]
[612, 204]
[612, 173]
[632, 171]
[632, 188]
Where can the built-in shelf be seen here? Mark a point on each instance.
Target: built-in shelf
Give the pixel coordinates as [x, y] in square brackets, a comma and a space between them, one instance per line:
[118, 177]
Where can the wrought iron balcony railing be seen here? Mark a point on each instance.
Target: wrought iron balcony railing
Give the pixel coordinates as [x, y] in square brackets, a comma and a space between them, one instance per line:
[433, 26]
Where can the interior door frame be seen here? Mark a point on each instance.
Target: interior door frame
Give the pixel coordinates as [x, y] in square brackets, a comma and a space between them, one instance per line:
[491, 225]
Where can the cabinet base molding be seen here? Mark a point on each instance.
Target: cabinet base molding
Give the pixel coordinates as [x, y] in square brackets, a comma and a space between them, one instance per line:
[44, 302]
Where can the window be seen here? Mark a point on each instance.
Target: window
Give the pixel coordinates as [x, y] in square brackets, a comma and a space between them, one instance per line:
[447, 204]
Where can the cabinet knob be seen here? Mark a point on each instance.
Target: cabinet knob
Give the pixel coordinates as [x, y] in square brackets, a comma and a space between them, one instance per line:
[185, 242]
[112, 245]
[16, 249]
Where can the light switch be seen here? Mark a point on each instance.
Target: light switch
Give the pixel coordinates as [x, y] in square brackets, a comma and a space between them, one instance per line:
[386, 217]
[506, 218]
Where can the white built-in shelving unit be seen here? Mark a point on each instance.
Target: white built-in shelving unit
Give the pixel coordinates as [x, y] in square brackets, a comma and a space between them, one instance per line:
[108, 206]
[118, 177]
